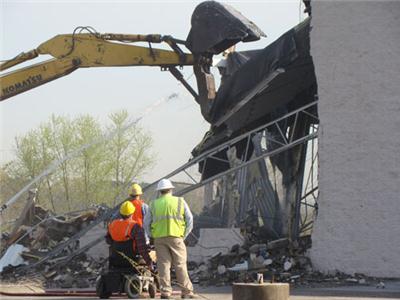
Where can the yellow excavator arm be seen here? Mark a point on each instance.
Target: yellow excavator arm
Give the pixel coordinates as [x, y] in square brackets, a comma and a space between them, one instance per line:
[83, 50]
[215, 28]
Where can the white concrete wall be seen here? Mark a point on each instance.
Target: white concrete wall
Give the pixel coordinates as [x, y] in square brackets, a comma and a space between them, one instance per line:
[356, 49]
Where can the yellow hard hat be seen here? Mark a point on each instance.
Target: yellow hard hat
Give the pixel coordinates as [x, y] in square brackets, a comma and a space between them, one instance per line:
[127, 208]
[135, 189]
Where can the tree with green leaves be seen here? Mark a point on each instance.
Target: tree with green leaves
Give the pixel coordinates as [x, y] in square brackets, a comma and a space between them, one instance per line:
[128, 151]
[104, 160]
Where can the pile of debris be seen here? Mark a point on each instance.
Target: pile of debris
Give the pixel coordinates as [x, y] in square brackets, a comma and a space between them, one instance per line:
[50, 231]
[25, 250]
[278, 261]
[222, 255]
[81, 272]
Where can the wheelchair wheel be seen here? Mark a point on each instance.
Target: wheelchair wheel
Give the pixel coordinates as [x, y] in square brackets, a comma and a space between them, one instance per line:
[101, 290]
[152, 290]
[133, 286]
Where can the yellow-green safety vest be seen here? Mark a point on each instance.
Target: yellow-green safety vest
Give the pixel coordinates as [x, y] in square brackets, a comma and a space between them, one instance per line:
[168, 214]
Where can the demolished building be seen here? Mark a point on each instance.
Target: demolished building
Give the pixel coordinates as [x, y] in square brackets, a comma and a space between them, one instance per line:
[258, 167]
[259, 87]
[251, 164]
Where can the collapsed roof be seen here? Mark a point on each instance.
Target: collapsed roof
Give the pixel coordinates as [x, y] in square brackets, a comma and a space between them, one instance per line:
[259, 86]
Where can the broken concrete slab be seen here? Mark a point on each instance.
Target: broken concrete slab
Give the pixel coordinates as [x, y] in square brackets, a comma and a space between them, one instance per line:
[213, 241]
[99, 251]
[13, 257]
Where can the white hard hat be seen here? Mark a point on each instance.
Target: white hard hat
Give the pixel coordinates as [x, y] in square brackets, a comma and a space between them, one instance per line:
[164, 184]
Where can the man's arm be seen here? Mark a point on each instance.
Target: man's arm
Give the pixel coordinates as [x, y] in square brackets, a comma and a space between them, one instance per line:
[145, 211]
[141, 245]
[147, 219]
[109, 239]
[188, 220]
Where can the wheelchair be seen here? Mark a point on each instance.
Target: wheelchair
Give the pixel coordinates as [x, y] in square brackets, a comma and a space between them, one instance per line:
[122, 277]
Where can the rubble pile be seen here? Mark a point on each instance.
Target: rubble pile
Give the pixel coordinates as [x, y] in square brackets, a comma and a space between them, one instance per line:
[278, 261]
[243, 262]
[33, 241]
[36, 215]
[81, 272]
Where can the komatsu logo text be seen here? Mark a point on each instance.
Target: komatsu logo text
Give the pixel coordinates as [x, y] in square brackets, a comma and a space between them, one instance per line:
[23, 85]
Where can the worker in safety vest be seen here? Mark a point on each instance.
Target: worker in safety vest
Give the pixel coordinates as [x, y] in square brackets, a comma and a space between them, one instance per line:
[125, 230]
[141, 208]
[169, 222]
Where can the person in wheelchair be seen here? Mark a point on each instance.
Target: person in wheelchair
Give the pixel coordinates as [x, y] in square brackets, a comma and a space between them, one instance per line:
[127, 242]
[126, 235]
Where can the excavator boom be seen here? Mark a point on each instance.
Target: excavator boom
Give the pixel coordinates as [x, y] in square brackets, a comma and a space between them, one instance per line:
[28, 78]
[75, 51]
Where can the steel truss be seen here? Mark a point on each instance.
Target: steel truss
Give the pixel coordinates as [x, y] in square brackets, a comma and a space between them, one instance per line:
[288, 141]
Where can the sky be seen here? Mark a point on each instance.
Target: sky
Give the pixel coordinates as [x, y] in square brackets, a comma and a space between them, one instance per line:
[176, 126]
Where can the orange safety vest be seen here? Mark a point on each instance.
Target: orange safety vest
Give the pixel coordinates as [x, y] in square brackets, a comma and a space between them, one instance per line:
[137, 216]
[120, 229]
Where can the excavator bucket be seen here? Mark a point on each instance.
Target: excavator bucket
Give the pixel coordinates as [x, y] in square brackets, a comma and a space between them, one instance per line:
[216, 27]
